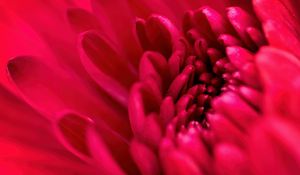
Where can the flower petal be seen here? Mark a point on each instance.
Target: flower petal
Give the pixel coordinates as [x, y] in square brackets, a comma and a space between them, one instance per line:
[225, 131]
[71, 130]
[278, 35]
[281, 23]
[112, 154]
[106, 66]
[275, 141]
[231, 160]
[28, 145]
[177, 162]
[145, 158]
[109, 14]
[280, 74]
[88, 140]
[192, 144]
[154, 64]
[161, 34]
[235, 109]
[51, 90]
[144, 9]
[142, 102]
[13, 41]
[241, 20]
[81, 20]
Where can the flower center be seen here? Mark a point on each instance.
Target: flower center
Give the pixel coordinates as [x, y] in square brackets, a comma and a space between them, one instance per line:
[211, 55]
[198, 87]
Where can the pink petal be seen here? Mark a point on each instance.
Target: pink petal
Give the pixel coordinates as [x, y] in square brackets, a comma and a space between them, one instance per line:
[178, 86]
[154, 64]
[257, 36]
[79, 3]
[80, 135]
[177, 162]
[235, 109]
[184, 102]
[203, 26]
[13, 41]
[111, 153]
[274, 149]
[28, 145]
[144, 8]
[191, 143]
[109, 14]
[106, 66]
[241, 20]
[71, 130]
[82, 20]
[225, 131]
[239, 56]
[283, 12]
[252, 96]
[152, 131]
[142, 102]
[175, 63]
[229, 40]
[51, 90]
[217, 22]
[167, 110]
[145, 158]
[50, 27]
[242, 59]
[278, 35]
[161, 33]
[231, 160]
[281, 22]
[280, 73]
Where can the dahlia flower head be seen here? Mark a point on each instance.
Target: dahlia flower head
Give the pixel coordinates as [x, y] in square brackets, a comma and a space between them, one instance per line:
[176, 87]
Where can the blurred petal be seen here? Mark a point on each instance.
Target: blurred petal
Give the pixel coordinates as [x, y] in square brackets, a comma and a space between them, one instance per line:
[52, 90]
[276, 143]
[281, 23]
[105, 65]
[82, 20]
[111, 153]
[120, 31]
[28, 145]
[280, 73]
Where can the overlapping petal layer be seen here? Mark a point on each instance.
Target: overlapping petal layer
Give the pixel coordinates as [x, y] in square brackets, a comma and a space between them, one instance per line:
[140, 87]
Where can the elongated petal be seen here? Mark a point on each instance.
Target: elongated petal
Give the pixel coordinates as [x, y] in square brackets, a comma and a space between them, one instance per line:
[177, 162]
[226, 131]
[105, 65]
[13, 41]
[274, 142]
[142, 102]
[160, 33]
[27, 142]
[109, 14]
[111, 154]
[82, 20]
[145, 158]
[52, 90]
[144, 8]
[278, 35]
[235, 109]
[71, 130]
[106, 163]
[280, 72]
[281, 23]
[231, 160]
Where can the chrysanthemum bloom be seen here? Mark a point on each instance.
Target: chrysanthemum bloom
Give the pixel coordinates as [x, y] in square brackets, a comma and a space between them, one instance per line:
[150, 87]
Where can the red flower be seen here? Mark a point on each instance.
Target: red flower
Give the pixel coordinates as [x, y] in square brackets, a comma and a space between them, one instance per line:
[158, 87]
